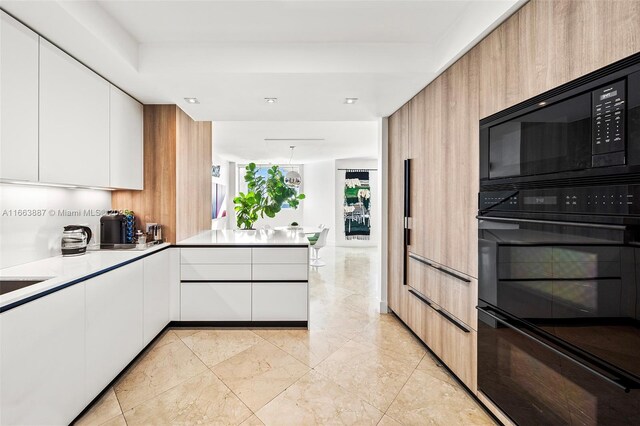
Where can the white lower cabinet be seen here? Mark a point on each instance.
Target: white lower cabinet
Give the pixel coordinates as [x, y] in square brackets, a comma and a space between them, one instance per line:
[282, 271]
[42, 357]
[114, 324]
[279, 301]
[157, 275]
[216, 301]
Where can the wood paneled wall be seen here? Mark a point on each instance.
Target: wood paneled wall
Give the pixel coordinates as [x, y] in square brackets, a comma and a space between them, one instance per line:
[543, 45]
[177, 170]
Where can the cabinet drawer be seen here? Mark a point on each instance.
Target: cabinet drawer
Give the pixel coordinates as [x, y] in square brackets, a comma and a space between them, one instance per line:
[459, 298]
[424, 279]
[215, 272]
[280, 272]
[281, 255]
[455, 292]
[424, 319]
[215, 255]
[216, 302]
[458, 351]
[279, 302]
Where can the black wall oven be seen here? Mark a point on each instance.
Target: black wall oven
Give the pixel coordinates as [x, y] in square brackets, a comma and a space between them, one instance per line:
[559, 254]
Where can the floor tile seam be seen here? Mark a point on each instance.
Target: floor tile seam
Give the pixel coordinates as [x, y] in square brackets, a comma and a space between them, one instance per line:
[164, 391]
[220, 362]
[113, 389]
[386, 353]
[403, 386]
[234, 394]
[281, 392]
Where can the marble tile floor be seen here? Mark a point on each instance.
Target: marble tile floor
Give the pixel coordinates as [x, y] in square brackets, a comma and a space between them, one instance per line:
[353, 366]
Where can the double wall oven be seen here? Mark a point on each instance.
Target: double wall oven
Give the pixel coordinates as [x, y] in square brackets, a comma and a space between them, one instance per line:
[559, 253]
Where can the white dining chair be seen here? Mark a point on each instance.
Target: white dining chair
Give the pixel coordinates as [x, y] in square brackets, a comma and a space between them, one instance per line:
[315, 247]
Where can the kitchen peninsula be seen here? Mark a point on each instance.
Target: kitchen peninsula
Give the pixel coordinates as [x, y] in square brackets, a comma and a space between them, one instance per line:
[245, 277]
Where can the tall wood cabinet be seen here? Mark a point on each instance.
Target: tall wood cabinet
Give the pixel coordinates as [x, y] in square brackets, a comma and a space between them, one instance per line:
[544, 44]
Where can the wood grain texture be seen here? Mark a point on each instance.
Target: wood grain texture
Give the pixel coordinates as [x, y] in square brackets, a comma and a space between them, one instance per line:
[543, 45]
[177, 156]
[193, 176]
[156, 202]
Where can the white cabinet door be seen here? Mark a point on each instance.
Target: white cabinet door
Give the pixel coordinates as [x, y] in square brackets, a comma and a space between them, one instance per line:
[18, 101]
[284, 272]
[216, 255]
[114, 322]
[74, 121]
[157, 275]
[216, 302]
[125, 138]
[279, 302]
[42, 358]
[215, 272]
[277, 255]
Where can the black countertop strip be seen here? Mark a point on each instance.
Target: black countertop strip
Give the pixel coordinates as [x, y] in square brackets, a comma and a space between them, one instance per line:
[31, 298]
[243, 281]
[241, 245]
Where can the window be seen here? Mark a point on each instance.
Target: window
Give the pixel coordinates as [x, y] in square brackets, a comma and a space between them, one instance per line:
[262, 171]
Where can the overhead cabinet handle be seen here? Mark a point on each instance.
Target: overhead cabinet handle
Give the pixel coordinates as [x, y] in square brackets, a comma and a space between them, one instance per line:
[552, 222]
[618, 381]
[424, 299]
[439, 268]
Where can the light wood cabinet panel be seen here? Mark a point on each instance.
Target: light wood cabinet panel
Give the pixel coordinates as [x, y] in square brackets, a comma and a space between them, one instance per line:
[125, 141]
[177, 174]
[74, 121]
[18, 101]
[398, 152]
[456, 217]
[458, 351]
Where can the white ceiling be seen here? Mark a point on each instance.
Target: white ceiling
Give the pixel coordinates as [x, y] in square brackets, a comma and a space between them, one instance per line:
[243, 141]
[233, 54]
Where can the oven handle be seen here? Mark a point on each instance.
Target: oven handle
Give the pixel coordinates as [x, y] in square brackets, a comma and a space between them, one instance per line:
[556, 351]
[552, 222]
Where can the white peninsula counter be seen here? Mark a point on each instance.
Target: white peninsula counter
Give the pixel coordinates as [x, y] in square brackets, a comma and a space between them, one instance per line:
[245, 278]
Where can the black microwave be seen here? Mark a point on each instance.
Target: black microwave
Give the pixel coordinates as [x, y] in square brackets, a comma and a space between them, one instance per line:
[584, 130]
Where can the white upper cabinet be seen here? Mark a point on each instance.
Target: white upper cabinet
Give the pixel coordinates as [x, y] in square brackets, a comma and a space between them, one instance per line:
[74, 121]
[126, 148]
[18, 101]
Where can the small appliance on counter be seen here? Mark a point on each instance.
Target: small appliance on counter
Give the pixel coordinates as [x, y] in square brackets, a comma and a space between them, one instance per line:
[113, 228]
[75, 239]
[154, 232]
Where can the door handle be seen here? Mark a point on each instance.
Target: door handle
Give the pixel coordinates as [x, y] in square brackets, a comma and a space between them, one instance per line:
[552, 222]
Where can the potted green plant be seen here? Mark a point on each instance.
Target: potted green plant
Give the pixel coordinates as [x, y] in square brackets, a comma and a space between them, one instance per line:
[264, 197]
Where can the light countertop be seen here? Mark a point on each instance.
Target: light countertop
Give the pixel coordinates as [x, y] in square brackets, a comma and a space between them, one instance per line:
[255, 238]
[64, 270]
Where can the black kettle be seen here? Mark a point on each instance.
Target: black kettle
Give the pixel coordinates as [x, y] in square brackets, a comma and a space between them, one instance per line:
[75, 239]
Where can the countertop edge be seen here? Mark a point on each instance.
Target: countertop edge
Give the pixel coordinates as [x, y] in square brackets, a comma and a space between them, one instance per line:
[64, 284]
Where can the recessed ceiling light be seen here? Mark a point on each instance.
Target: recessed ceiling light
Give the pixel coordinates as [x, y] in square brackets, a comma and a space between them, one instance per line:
[192, 100]
[271, 100]
[542, 103]
[350, 100]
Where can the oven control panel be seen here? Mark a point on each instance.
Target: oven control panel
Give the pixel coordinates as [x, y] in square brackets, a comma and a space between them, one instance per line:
[616, 200]
[608, 122]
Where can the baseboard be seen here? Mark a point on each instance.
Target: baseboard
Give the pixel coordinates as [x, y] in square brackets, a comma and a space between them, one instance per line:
[384, 309]
[257, 324]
